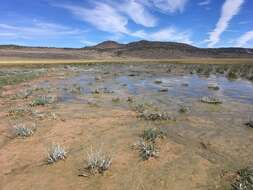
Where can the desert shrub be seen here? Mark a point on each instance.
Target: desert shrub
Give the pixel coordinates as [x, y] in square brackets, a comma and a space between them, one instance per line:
[23, 131]
[97, 162]
[130, 99]
[102, 91]
[147, 150]
[232, 75]
[19, 111]
[154, 116]
[244, 180]
[141, 107]
[56, 153]
[152, 134]
[116, 100]
[76, 89]
[41, 101]
[184, 109]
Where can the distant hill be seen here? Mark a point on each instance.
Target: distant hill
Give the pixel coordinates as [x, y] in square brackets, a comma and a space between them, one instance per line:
[111, 49]
[107, 45]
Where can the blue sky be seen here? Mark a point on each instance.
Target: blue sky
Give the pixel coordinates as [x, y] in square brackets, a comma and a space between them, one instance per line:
[78, 23]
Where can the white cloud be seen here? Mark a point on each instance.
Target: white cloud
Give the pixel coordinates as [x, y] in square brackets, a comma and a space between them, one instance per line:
[170, 6]
[229, 9]
[244, 39]
[167, 34]
[88, 43]
[138, 13]
[36, 30]
[204, 3]
[103, 16]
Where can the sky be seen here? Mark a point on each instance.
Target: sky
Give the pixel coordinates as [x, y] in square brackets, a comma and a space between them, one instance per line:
[79, 23]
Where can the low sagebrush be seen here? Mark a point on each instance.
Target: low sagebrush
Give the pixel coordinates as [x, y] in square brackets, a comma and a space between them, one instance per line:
[19, 111]
[152, 134]
[183, 109]
[23, 131]
[98, 162]
[56, 153]
[244, 180]
[41, 101]
[147, 150]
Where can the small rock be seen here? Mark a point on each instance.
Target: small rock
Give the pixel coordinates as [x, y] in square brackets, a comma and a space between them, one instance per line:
[163, 90]
[185, 84]
[98, 78]
[250, 123]
[211, 100]
[213, 87]
[158, 81]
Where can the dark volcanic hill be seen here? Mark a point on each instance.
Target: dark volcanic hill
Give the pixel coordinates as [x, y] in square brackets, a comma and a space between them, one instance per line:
[107, 45]
[111, 49]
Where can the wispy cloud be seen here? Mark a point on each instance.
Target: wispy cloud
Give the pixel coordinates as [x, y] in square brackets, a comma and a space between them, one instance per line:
[204, 3]
[112, 17]
[170, 6]
[103, 16]
[167, 34]
[138, 13]
[229, 9]
[244, 39]
[36, 30]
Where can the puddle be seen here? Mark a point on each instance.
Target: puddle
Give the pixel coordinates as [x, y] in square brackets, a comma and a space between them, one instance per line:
[183, 87]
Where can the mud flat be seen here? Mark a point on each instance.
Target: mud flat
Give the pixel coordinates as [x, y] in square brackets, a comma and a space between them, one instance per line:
[121, 113]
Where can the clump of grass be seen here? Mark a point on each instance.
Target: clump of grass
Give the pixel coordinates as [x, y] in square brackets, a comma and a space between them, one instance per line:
[154, 116]
[22, 131]
[116, 100]
[152, 134]
[41, 101]
[97, 162]
[130, 99]
[232, 75]
[24, 94]
[141, 107]
[16, 77]
[184, 109]
[211, 100]
[147, 150]
[76, 89]
[244, 180]
[19, 111]
[56, 153]
[102, 91]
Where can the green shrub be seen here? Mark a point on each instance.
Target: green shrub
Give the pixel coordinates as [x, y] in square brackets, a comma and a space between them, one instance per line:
[244, 180]
[152, 134]
[147, 150]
